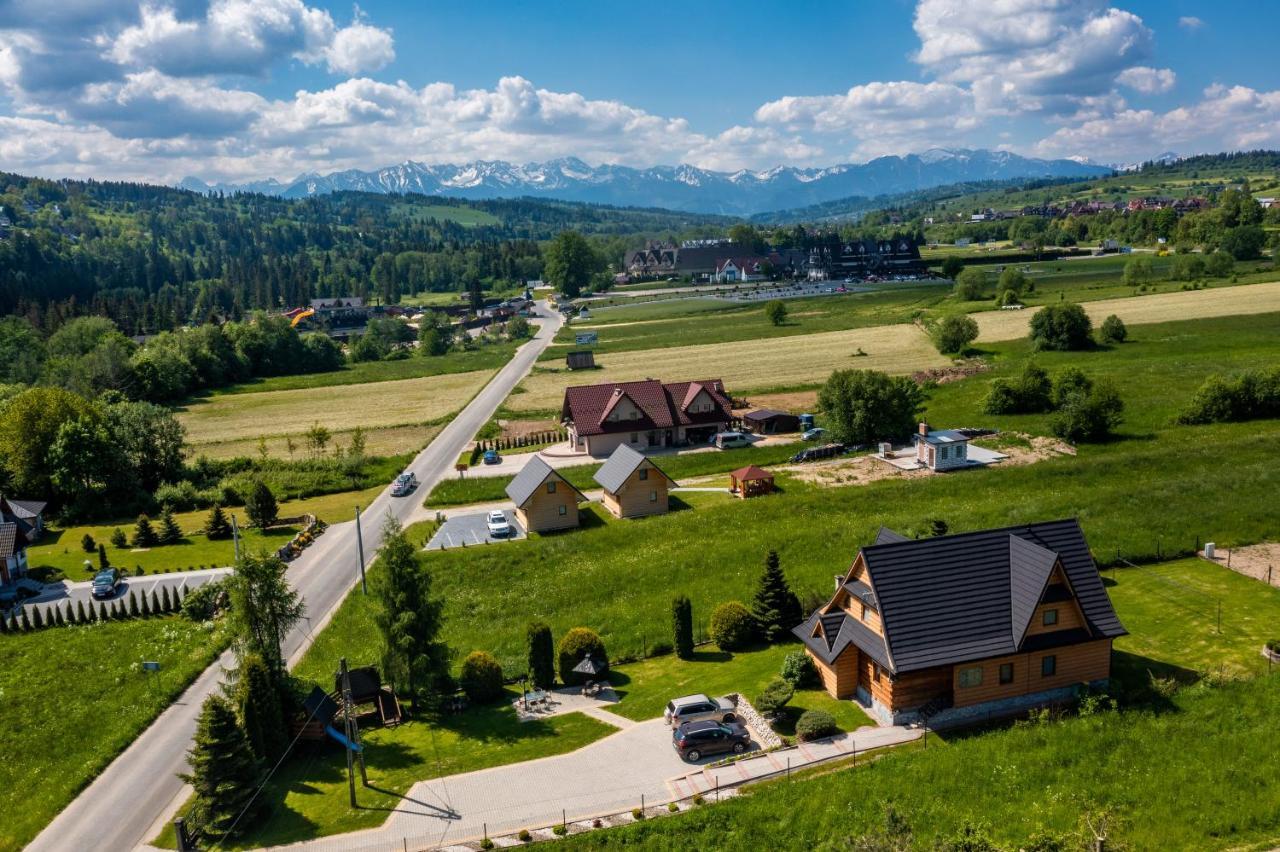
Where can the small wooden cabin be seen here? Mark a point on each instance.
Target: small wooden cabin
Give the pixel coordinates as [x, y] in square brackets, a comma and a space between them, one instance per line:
[966, 625]
[633, 485]
[544, 499]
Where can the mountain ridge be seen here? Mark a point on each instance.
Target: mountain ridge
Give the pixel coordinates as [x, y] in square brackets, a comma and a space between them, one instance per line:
[680, 187]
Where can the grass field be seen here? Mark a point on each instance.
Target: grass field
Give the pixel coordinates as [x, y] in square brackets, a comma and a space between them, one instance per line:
[74, 697]
[1198, 774]
[386, 441]
[405, 402]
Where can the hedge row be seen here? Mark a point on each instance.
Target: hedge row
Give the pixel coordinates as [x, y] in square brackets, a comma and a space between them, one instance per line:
[132, 606]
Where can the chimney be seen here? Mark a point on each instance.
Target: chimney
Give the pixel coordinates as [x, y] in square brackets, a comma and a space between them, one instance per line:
[924, 428]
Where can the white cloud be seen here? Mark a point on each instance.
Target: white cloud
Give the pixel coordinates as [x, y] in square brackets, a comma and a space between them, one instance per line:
[1226, 118]
[1149, 81]
[1026, 55]
[1190, 22]
[151, 105]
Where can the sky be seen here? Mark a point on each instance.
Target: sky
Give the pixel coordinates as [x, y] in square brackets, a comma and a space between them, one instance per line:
[238, 90]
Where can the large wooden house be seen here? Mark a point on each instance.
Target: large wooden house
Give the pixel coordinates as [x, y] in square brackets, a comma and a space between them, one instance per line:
[962, 626]
[633, 485]
[544, 499]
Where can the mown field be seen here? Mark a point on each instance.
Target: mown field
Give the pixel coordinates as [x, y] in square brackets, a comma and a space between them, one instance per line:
[74, 697]
[238, 418]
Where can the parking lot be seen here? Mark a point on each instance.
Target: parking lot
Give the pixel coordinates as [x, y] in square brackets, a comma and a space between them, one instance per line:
[471, 530]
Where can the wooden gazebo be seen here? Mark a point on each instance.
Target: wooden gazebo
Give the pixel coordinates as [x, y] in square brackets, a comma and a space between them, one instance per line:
[750, 481]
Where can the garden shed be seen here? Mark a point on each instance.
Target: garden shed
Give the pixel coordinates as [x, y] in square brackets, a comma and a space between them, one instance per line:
[766, 421]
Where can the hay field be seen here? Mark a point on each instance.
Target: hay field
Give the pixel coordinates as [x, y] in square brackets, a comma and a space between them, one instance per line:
[387, 441]
[235, 418]
[745, 364]
[1138, 310]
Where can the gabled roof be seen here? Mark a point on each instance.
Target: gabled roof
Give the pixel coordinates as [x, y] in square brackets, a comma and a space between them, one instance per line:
[957, 598]
[620, 465]
[885, 536]
[25, 509]
[11, 539]
[661, 406]
[750, 473]
[765, 414]
[530, 478]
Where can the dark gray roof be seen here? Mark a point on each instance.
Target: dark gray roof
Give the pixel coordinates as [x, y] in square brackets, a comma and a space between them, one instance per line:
[969, 596]
[839, 630]
[530, 477]
[26, 509]
[11, 540]
[621, 464]
[943, 436]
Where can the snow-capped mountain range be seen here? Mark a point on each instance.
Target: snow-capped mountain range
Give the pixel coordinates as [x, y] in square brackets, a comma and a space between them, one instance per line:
[681, 187]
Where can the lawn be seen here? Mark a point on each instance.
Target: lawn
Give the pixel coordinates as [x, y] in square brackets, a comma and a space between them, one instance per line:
[1198, 774]
[405, 402]
[74, 697]
[491, 489]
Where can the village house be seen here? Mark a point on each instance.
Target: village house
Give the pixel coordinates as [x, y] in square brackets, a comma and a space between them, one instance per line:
[941, 449]
[27, 514]
[963, 626]
[644, 414]
[13, 553]
[633, 485]
[544, 499]
[740, 269]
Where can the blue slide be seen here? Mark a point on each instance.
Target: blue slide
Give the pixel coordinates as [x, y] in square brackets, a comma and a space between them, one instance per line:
[340, 737]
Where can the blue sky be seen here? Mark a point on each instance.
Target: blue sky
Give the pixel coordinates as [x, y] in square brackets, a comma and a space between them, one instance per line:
[238, 89]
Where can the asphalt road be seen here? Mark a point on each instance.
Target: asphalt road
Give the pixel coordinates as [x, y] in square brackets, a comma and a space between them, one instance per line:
[134, 796]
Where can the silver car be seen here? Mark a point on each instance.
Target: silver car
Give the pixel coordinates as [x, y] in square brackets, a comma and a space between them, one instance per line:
[497, 523]
[698, 708]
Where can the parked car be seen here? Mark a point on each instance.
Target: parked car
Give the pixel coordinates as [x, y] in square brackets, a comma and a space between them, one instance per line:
[404, 483]
[693, 740]
[106, 582]
[699, 708]
[492, 457]
[497, 523]
[731, 440]
[814, 433]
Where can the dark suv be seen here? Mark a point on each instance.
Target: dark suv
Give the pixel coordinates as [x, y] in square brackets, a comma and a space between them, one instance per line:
[106, 582]
[695, 739]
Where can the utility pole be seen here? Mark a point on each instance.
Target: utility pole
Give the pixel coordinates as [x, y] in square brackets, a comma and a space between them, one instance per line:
[235, 535]
[346, 725]
[364, 586]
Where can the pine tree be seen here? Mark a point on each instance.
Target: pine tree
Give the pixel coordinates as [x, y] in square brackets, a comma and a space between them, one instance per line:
[37, 620]
[166, 602]
[81, 616]
[88, 544]
[133, 606]
[682, 627]
[103, 615]
[58, 619]
[223, 773]
[542, 655]
[410, 619]
[155, 603]
[775, 607]
[26, 620]
[170, 532]
[4, 624]
[103, 562]
[217, 527]
[143, 533]
[264, 722]
[145, 609]
[14, 627]
[261, 506]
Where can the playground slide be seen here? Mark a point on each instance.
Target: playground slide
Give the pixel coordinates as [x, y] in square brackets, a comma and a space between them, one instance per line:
[340, 737]
[300, 317]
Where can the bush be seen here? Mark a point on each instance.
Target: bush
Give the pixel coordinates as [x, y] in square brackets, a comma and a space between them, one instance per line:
[682, 627]
[775, 696]
[815, 724]
[1070, 382]
[118, 539]
[799, 671]
[88, 545]
[574, 646]
[637, 813]
[954, 333]
[541, 655]
[672, 807]
[524, 835]
[204, 603]
[486, 843]
[952, 266]
[776, 311]
[261, 506]
[1031, 393]
[1008, 297]
[1113, 330]
[1090, 416]
[1251, 395]
[1219, 264]
[481, 677]
[1273, 645]
[562, 829]
[732, 626]
[969, 284]
[1062, 328]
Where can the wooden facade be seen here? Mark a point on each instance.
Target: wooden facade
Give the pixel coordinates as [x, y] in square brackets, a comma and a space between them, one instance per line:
[645, 492]
[553, 506]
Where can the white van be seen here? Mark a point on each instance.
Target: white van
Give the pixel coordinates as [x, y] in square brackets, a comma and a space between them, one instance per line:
[731, 440]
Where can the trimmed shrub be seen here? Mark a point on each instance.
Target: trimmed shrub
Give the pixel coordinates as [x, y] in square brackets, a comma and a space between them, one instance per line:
[815, 724]
[799, 671]
[574, 646]
[542, 655]
[524, 835]
[732, 626]
[682, 627]
[87, 544]
[481, 677]
[1113, 330]
[775, 696]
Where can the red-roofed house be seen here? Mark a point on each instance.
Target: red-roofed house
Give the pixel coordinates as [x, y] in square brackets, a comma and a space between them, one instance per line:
[601, 418]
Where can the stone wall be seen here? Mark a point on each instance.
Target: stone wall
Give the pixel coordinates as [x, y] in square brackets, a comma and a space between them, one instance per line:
[755, 723]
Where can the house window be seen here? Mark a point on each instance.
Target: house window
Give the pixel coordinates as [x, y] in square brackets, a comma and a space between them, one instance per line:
[564, 510]
[1050, 617]
[864, 610]
[875, 672]
[644, 474]
[1048, 665]
[653, 496]
[1006, 672]
[971, 677]
[551, 487]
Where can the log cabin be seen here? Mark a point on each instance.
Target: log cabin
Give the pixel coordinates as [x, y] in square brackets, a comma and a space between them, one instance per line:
[544, 499]
[633, 485]
[965, 626]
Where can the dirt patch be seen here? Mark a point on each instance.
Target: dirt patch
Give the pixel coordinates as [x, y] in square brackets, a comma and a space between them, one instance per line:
[946, 375]
[1259, 561]
[1022, 448]
[524, 428]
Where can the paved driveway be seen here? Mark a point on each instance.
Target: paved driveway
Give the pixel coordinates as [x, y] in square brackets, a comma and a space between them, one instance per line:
[60, 594]
[472, 529]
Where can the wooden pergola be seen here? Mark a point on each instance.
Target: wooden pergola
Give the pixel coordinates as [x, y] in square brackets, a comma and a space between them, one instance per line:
[750, 481]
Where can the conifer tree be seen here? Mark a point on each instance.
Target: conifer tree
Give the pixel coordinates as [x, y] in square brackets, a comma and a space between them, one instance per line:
[166, 602]
[223, 773]
[103, 615]
[14, 627]
[58, 619]
[26, 620]
[103, 562]
[81, 616]
[409, 618]
[144, 535]
[542, 655]
[261, 506]
[133, 606]
[4, 624]
[170, 532]
[264, 722]
[775, 608]
[682, 627]
[145, 609]
[37, 620]
[217, 526]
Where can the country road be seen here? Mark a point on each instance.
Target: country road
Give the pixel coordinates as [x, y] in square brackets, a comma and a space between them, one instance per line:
[140, 790]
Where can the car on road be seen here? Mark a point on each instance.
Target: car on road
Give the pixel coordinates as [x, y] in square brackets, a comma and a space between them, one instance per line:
[693, 740]
[404, 484]
[699, 708]
[814, 433]
[106, 582]
[497, 523]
